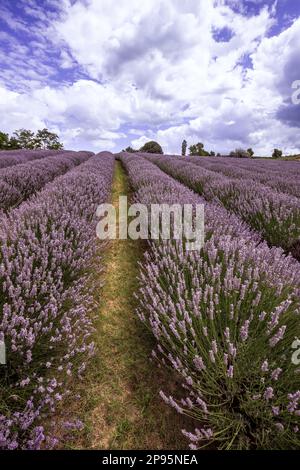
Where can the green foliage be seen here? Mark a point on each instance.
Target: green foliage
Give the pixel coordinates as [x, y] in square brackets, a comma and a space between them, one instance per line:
[4, 141]
[26, 139]
[251, 152]
[151, 147]
[198, 150]
[45, 139]
[130, 150]
[14, 144]
[277, 153]
[183, 148]
[240, 153]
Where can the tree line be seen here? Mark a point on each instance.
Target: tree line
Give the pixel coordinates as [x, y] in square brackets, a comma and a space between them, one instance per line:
[46, 140]
[198, 150]
[26, 139]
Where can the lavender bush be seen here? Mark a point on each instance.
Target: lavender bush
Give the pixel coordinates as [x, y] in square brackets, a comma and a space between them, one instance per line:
[48, 245]
[19, 182]
[283, 178]
[225, 319]
[15, 157]
[276, 216]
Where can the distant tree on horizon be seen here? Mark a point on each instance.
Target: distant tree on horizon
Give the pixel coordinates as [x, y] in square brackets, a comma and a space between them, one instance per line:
[277, 153]
[26, 139]
[14, 144]
[251, 152]
[183, 148]
[4, 141]
[130, 150]
[240, 153]
[45, 139]
[198, 150]
[151, 147]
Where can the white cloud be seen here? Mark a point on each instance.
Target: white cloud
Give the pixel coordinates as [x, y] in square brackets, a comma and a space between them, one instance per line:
[155, 69]
[83, 114]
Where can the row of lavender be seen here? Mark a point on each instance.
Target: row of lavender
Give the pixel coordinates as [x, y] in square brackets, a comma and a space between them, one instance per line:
[15, 157]
[225, 319]
[265, 165]
[19, 182]
[48, 246]
[275, 215]
[284, 177]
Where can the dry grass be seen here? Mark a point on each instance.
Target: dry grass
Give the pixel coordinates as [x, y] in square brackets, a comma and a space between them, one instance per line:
[119, 403]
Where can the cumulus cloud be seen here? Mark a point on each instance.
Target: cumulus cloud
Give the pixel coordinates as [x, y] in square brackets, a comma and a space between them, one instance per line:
[166, 70]
[73, 111]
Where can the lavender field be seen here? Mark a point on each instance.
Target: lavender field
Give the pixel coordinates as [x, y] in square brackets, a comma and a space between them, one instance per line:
[218, 326]
[149, 232]
[48, 248]
[225, 318]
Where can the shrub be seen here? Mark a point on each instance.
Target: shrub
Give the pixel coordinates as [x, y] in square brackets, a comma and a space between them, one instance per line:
[277, 153]
[4, 140]
[151, 147]
[227, 329]
[197, 150]
[130, 150]
[240, 153]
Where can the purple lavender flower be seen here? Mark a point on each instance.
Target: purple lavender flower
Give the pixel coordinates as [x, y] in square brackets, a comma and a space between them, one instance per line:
[269, 393]
[47, 247]
[230, 293]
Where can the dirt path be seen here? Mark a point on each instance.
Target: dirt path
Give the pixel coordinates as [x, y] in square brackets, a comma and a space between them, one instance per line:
[119, 404]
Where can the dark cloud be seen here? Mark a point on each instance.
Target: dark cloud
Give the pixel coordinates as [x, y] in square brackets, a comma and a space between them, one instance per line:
[289, 114]
[290, 73]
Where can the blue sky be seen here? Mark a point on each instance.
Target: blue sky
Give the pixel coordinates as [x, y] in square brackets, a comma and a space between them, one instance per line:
[106, 74]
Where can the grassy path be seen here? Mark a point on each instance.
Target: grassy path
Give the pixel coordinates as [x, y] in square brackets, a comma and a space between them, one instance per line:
[119, 403]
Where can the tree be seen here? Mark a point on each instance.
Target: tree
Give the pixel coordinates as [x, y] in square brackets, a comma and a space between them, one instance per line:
[198, 150]
[151, 147]
[277, 153]
[4, 141]
[25, 139]
[240, 153]
[130, 150]
[45, 139]
[251, 152]
[14, 144]
[212, 154]
[183, 148]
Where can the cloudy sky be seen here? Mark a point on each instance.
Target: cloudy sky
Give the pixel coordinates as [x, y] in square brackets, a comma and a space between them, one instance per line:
[105, 74]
